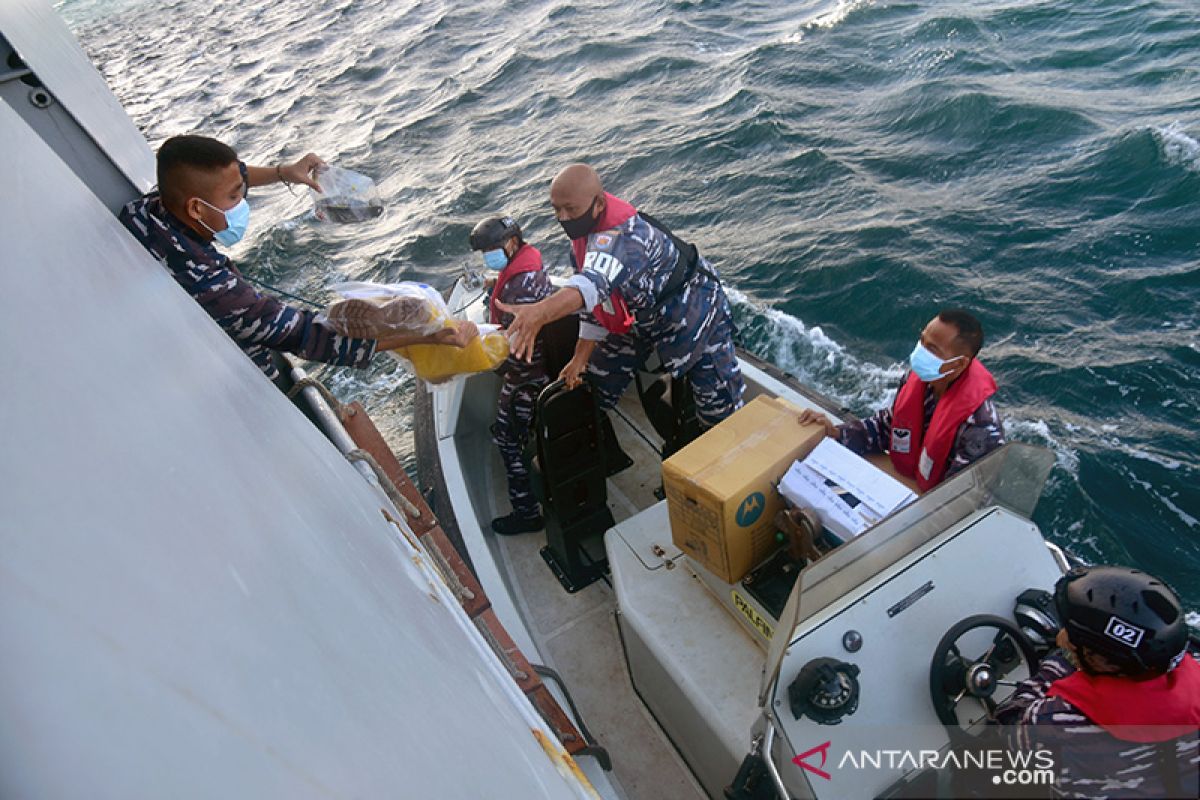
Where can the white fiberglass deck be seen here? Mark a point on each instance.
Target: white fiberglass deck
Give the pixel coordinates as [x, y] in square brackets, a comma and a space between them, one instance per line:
[578, 634]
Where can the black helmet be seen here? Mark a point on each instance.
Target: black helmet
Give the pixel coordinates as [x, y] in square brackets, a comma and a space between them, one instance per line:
[493, 232]
[1132, 619]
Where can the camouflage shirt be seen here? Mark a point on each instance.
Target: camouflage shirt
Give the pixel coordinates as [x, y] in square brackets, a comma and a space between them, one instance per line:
[258, 323]
[1089, 760]
[525, 287]
[980, 434]
[636, 259]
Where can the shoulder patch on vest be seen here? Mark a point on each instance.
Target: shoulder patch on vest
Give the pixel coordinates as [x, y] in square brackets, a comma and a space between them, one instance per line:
[602, 242]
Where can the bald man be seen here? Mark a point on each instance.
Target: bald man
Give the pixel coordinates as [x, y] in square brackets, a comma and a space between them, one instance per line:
[635, 281]
[201, 199]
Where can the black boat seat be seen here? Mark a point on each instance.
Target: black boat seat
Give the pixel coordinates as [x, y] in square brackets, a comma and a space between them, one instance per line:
[558, 343]
[569, 474]
[671, 410]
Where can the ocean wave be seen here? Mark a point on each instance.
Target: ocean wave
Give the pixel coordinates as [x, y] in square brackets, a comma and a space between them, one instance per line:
[814, 358]
[1177, 147]
[1183, 516]
[1144, 455]
[1037, 431]
[947, 115]
[829, 18]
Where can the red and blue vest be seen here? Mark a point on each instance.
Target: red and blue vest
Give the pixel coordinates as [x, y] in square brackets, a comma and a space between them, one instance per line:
[527, 259]
[923, 454]
[616, 213]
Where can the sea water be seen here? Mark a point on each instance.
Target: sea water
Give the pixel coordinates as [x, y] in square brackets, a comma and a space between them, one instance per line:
[850, 167]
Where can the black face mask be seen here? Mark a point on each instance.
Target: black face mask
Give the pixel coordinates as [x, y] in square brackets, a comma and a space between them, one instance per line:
[582, 225]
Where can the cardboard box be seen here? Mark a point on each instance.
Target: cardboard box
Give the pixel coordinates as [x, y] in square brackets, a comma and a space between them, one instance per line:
[721, 494]
[884, 462]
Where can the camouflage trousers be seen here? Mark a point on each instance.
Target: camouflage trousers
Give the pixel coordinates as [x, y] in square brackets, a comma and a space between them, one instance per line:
[514, 411]
[715, 377]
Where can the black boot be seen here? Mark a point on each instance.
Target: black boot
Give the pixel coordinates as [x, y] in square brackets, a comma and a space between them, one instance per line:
[514, 523]
[615, 459]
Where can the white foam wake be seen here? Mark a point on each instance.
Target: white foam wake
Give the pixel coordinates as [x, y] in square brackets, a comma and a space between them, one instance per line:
[833, 16]
[1038, 432]
[830, 16]
[1177, 147]
[818, 361]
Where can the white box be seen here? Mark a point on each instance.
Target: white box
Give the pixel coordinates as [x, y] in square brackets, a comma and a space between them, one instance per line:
[847, 492]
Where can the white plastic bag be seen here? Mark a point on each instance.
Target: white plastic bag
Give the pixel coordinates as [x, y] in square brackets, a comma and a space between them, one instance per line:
[345, 197]
[400, 308]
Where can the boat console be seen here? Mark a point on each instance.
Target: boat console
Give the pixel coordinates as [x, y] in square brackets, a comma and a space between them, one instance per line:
[904, 638]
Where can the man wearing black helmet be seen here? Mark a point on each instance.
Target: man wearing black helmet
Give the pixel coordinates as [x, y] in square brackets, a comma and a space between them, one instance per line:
[521, 280]
[1120, 703]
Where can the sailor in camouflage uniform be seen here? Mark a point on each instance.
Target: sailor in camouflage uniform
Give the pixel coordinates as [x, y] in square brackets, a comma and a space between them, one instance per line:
[201, 198]
[943, 418]
[639, 287]
[521, 280]
[1118, 704]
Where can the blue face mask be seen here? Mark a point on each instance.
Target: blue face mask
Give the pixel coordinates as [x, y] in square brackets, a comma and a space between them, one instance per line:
[236, 221]
[927, 366]
[495, 259]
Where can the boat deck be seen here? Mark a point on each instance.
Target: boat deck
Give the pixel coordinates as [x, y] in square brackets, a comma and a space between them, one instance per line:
[578, 632]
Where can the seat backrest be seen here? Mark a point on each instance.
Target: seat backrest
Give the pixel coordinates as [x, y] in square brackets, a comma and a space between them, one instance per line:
[567, 417]
[570, 446]
[571, 473]
[558, 343]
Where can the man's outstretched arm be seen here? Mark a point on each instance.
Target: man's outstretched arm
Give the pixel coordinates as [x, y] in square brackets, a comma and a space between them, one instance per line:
[460, 336]
[302, 171]
[528, 319]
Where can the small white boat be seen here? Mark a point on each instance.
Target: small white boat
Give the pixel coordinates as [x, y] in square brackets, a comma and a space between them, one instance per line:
[672, 670]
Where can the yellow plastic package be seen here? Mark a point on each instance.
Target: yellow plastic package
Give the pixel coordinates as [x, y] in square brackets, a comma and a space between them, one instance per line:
[417, 309]
[441, 362]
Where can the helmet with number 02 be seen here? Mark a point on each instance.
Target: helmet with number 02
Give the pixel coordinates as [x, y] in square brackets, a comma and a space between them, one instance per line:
[493, 232]
[1132, 619]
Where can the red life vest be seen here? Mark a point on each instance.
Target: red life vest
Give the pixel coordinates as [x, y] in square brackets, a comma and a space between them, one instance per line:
[527, 259]
[925, 453]
[1156, 710]
[616, 213]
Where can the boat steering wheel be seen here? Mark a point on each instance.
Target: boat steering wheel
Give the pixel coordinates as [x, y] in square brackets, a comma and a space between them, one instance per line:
[961, 687]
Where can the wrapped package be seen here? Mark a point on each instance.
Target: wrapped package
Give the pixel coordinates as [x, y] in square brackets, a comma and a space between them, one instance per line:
[438, 363]
[376, 310]
[346, 196]
[377, 317]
